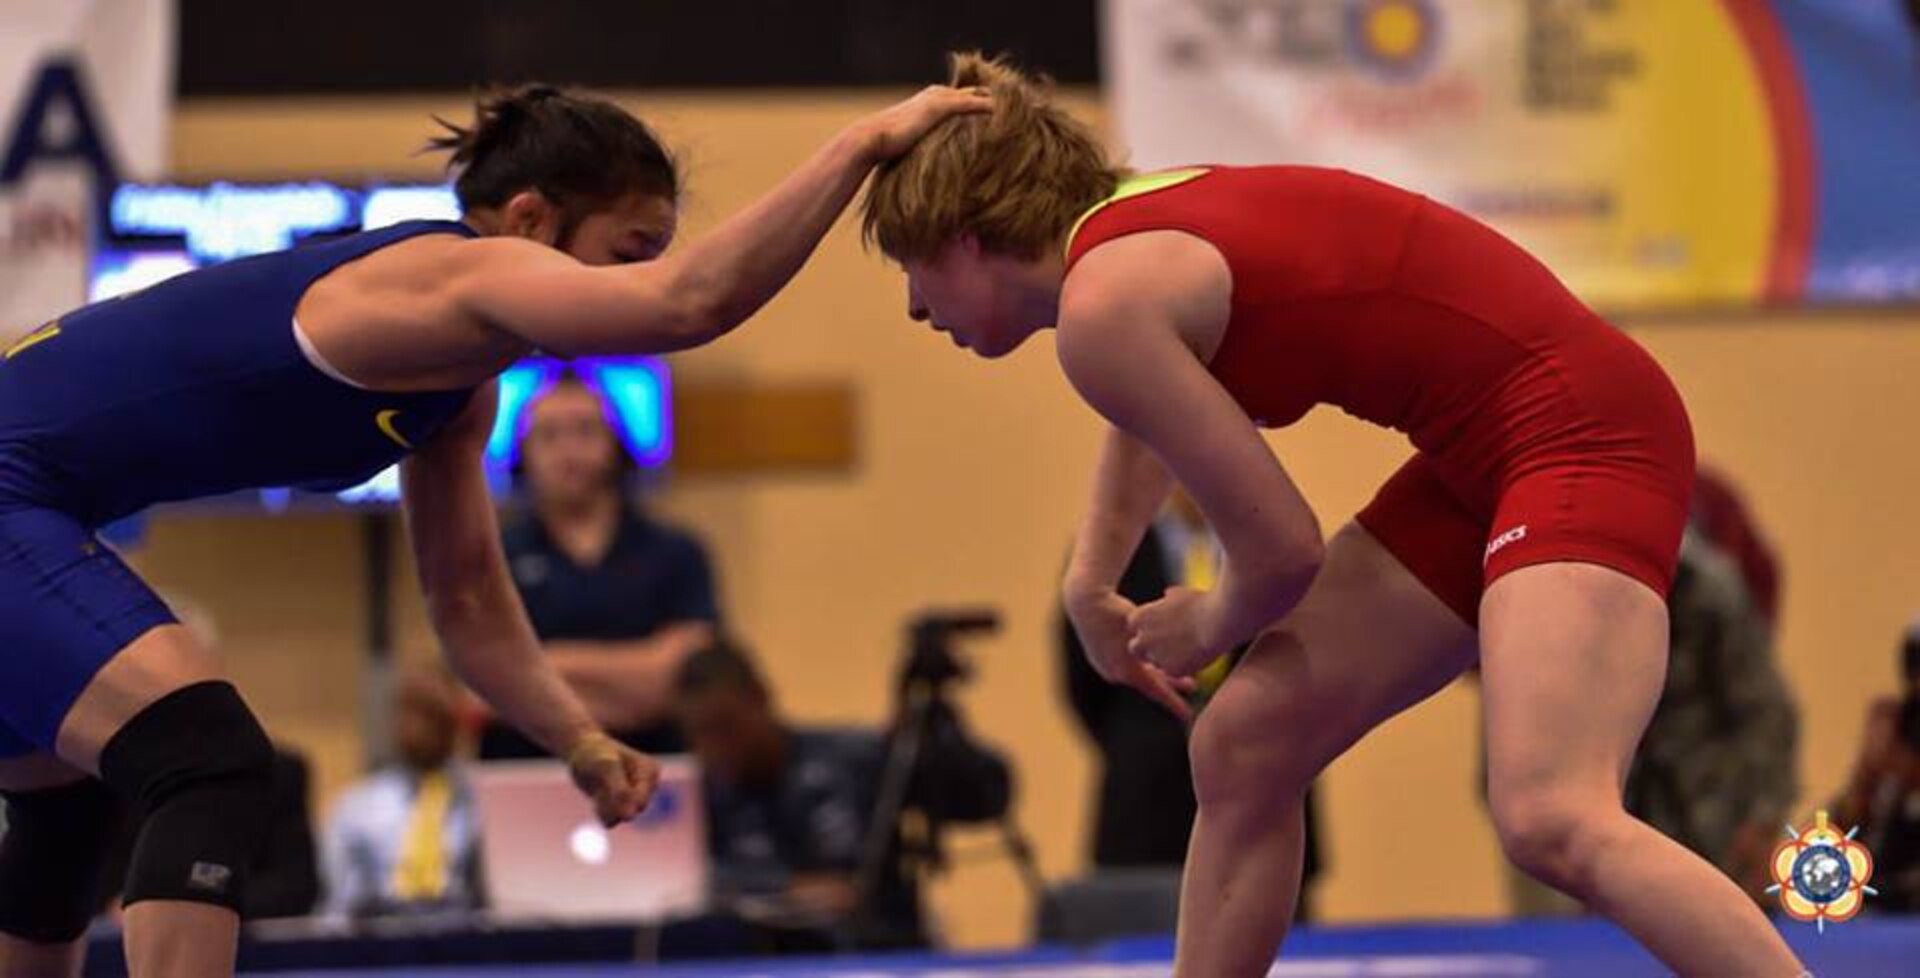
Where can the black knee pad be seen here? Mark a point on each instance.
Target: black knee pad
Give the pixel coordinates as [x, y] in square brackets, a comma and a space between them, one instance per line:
[200, 771]
[52, 854]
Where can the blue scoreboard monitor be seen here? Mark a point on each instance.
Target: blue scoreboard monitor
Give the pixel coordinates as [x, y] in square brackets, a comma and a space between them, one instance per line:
[157, 231]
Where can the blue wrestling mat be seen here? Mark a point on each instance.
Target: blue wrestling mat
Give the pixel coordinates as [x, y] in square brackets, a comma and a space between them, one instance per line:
[1574, 949]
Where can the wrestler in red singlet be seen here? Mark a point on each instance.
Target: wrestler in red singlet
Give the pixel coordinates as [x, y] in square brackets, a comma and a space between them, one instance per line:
[1544, 434]
[1533, 535]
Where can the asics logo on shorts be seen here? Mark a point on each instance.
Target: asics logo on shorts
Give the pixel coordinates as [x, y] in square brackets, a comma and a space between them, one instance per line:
[1514, 535]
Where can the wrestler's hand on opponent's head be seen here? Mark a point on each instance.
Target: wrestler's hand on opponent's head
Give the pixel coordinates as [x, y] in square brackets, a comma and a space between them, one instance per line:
[1100, 618]
[893, 130]
[619, 779]
[1176, 632]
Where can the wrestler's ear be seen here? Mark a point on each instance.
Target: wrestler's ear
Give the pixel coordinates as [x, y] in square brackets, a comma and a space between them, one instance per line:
[529, 214]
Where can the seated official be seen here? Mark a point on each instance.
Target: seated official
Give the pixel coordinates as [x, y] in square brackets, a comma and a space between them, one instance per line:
[788, 809]
[618, 599]
[405, 839]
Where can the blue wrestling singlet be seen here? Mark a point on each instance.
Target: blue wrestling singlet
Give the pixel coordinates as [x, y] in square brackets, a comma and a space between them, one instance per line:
[194, 387]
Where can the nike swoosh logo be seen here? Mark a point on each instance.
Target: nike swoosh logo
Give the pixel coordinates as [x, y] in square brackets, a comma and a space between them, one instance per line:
[384, 421]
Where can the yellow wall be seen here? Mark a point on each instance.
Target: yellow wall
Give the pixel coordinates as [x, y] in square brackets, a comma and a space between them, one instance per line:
[970, 479]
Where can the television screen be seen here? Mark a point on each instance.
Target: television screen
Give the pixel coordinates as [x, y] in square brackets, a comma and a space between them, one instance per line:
[158, 231]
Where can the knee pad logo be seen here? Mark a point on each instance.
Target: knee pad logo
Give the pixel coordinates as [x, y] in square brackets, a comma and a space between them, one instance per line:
[209, 878]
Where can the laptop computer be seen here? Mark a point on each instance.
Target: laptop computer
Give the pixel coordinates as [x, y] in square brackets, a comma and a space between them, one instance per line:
[548, 858]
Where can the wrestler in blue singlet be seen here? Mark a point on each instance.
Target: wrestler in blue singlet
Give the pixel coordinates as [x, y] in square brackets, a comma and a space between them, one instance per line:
[195, 387]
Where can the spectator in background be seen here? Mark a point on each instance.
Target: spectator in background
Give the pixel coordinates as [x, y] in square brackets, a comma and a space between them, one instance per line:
[405, 839]
[1715, 769]
[1145, 806]
[1883, 796]
[788, 809]
[618, 599]
[1720, 514]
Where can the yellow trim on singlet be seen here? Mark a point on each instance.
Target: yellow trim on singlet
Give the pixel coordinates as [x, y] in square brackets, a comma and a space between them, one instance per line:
[38, 336]
[1134, 186]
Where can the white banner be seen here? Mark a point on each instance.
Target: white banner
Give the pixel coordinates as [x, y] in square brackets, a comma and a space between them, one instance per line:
[1655, 153]
[85, 91]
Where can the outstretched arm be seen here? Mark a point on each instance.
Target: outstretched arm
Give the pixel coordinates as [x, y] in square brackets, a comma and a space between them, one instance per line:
[482, 625]
[695, 295]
